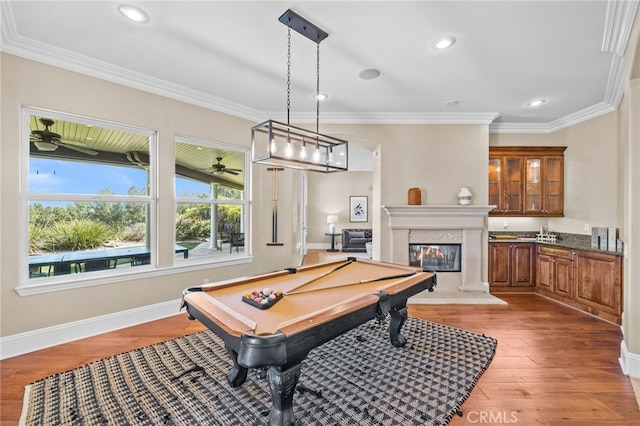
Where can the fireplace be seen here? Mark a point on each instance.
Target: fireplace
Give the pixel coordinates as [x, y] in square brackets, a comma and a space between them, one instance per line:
[443, 225]
[436, 257]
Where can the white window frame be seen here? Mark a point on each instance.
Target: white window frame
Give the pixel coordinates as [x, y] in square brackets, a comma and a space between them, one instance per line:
[244, 202]
[68, 281]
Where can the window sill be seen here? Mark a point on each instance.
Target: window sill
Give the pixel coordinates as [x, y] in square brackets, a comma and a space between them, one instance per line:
[59, 283]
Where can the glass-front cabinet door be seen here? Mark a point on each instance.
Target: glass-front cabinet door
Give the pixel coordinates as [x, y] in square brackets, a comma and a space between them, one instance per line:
[495, 183]
[544, 186]
[533, 198]
[505, 184]
[553, 185]
[513, 185]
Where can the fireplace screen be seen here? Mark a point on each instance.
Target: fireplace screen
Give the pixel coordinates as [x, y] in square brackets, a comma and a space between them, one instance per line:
[436, 257]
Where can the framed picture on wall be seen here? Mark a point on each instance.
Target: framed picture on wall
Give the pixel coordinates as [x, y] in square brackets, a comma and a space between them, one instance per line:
[358, 209]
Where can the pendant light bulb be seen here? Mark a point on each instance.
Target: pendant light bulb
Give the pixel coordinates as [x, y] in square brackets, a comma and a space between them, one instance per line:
[330, 159]
[288, 150]
[272, 146]
[303, 151]
[316, 154]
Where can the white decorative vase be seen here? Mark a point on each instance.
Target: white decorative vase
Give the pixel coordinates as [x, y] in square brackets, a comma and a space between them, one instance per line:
[464, 196]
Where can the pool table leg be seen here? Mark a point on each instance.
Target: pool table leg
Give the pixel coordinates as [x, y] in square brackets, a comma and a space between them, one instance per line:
[238, 374]
[398, 317]
[282, 384]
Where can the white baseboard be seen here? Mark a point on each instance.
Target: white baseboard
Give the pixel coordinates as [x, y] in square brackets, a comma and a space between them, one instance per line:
[322, 246]
[629, 361]
[30, 341]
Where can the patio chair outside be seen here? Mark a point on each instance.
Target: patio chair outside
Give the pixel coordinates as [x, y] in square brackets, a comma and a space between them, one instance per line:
[237, 240]
[96, 265]
[144, 259]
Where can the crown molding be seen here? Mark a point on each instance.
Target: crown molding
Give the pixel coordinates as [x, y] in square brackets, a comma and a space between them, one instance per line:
[618, 25]
[615, 85]
[8, 29]
[585, 114]
[519, 128]
[398, 117]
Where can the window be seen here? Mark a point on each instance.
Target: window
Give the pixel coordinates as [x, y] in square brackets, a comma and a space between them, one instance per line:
[211, 204]
[90, 199]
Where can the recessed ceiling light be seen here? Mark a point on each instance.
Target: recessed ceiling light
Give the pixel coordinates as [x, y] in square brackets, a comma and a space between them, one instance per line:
[320, 96]
[133, 13]
[536, 102]
[369, 74]
[452, 102]
[443, 42]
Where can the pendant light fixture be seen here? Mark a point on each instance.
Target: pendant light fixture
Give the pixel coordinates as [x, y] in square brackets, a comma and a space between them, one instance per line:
[278, 144]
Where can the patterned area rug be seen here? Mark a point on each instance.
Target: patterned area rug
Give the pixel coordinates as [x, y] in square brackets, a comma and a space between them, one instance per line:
[357, 378]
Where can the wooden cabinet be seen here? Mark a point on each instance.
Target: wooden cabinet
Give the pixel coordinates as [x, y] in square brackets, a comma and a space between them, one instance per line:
[511, 265]
[599, 283]
[526, 181]
[506, 184]
[554, 271]
[589, 281]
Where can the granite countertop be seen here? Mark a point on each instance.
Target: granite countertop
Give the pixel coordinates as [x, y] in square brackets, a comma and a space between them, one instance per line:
[573, 241]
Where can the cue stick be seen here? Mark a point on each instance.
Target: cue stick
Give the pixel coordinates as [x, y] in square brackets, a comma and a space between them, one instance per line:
[274, 206]
[390, 277]
[321, 276]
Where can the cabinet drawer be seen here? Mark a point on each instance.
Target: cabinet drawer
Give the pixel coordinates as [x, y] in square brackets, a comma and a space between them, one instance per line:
[555, 251]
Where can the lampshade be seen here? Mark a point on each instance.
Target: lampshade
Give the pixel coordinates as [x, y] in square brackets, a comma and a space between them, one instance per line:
[45, 146]
[332, 218]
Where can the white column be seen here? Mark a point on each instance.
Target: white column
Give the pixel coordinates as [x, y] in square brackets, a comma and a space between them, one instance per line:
[213, 233]
[472, 261]
[400, 246]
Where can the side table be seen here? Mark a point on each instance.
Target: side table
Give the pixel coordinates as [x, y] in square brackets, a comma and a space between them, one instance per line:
[333, 240]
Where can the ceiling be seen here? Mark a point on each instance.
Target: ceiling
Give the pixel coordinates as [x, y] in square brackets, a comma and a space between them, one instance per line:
[231, 56]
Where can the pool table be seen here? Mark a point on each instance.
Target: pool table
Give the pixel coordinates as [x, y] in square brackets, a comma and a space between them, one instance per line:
[317, 303]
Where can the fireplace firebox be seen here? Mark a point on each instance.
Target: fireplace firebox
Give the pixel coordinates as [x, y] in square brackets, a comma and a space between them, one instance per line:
[436, 257]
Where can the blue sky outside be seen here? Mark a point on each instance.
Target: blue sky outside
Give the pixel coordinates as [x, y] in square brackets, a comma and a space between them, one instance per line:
[74, 177]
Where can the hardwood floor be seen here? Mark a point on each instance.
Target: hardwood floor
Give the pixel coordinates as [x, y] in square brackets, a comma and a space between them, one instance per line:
[554, 365]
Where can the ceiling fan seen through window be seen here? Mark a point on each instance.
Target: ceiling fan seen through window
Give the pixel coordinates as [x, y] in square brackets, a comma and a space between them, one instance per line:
[46, 140]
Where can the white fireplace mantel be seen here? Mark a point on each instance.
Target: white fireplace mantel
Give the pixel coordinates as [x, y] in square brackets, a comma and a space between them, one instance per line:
[438, 216]
[408, 223]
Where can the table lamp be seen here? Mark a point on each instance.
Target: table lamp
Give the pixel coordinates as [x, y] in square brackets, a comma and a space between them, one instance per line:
[332, 219]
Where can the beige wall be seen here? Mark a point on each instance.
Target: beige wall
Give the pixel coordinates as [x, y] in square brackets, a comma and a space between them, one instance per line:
[439, 159]
[591, 164]
[629, 198]
[591, 174]
[329, 194]
[28, 83]
[631, 230]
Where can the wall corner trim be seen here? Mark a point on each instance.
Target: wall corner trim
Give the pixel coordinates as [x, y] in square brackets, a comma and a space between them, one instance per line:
[629, 361]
